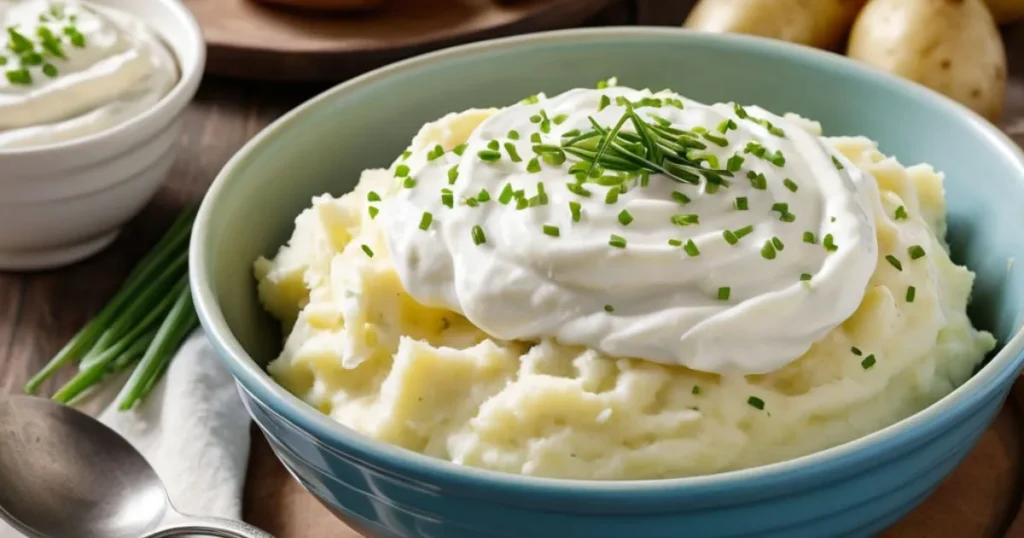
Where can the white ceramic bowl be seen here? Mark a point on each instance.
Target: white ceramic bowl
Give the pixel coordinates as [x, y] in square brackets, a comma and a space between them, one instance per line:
[63, 202]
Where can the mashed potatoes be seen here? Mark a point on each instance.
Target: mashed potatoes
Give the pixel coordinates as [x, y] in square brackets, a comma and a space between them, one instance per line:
[361, 350]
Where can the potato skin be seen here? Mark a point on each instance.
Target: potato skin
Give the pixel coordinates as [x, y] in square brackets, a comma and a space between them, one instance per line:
[1006, 11]
[951, 46]
[817, 23]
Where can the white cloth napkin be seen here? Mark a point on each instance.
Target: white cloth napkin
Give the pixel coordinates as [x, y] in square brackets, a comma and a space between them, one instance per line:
[192, 428]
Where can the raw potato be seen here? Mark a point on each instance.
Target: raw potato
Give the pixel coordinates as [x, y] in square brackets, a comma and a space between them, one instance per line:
[951, 46]
[818, 23]
[1006, 11]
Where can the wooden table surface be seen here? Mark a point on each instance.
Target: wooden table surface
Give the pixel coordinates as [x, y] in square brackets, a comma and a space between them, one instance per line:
[39, 312]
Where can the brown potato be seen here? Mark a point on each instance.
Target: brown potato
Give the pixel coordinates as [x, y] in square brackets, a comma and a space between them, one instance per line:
[951, 46]
[818, 23]
[1006, 11]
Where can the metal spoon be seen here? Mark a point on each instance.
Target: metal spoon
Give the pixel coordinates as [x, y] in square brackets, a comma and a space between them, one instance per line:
[64, 474]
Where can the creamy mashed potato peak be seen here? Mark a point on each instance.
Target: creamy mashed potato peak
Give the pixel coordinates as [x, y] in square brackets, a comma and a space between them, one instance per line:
[620, 284]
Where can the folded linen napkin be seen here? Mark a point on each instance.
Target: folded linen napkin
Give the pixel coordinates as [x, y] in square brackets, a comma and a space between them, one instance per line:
[193, 429]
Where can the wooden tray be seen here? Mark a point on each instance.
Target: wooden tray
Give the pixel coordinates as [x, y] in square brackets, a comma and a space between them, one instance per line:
[251, 40]
[981, 499]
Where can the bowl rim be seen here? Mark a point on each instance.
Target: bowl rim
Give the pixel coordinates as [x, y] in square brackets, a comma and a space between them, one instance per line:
[124, 134]
[257, 382]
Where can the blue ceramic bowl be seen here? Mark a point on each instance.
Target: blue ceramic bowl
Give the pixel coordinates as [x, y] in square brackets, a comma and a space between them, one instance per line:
[856, 489]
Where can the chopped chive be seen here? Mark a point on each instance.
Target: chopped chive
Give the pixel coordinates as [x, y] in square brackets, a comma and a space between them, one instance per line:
[675, 242]
[810, 238]
[856, 351]
[553, 158]
[571, 133]
[510, 148]
[625, 218]
[577, 189]
[535, 118]
[617, 241]
[725, 126]
[471, 202]
[373, 212]
[781, 207]
[730, 237]
[723, 293]
[438, 151]
[777, 243]
[894, 262]
[777, 158]
[401, 170]
[447, 198]
[575, 210]
[372, 196]
[551, 230]
[611, 196]
[406, 154]
[484, 196]
[489, 155]
[50, 70]
[691, 248]
[478, 235]
[605, 102]
[916, 252]
[513, 134]
[829, 243]
[768, 251]
[695, 389]
[911, 293]
[409, 183]
[685, 220]
[757, 181]
[533, 166]
[368, 251]
[493, 144]
[460, 149]
[868, 362]
[533, 99]
[756, 403]
[522, 203]
[744, 231]
[506, 194]
[734, 163]
[645, 178]
[901, 213]
[680, 197]
[790, 184]
[835, 161]
[453, 174]
[805, 277]
[425, 220]
[740, 204]
[609, 308]
[716, 140]
[545, 126]
[740, 111]
[560, 119]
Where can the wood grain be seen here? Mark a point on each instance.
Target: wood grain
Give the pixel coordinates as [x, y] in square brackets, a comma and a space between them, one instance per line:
[40, 311]
[262, 41]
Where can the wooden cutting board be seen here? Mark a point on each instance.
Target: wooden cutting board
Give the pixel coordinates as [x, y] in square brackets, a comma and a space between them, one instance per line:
[981, 499]
[249, 39]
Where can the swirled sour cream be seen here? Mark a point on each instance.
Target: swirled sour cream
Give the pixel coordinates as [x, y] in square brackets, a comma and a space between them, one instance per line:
[719, 280]
[71, 69]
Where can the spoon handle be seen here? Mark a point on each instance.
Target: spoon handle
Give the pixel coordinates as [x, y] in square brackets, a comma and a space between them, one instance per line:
[208, 526]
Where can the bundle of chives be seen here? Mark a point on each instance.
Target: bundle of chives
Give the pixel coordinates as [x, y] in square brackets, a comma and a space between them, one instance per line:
[142, 325]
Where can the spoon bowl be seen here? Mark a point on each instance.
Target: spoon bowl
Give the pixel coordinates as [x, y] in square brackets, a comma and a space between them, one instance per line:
[63, 474]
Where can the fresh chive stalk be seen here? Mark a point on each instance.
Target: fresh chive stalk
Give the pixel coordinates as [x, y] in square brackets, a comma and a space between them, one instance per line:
[174, 242]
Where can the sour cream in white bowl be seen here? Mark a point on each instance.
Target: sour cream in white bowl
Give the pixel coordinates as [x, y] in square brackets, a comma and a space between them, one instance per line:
[91, 101]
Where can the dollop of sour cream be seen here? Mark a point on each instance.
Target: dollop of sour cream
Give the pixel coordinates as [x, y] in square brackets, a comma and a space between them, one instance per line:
[69, 69]
[740, 277]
